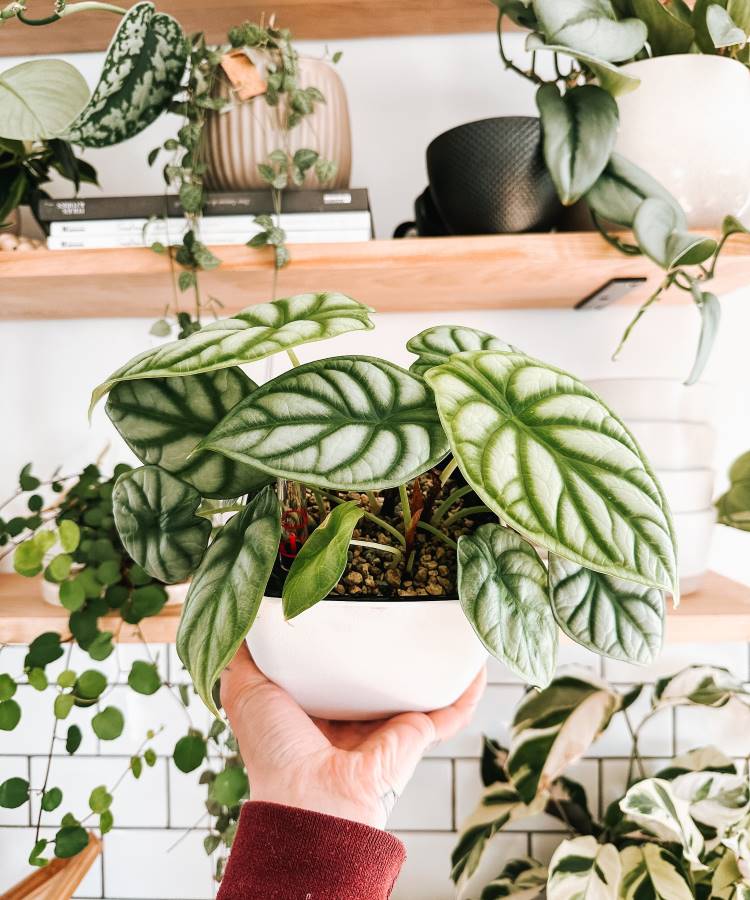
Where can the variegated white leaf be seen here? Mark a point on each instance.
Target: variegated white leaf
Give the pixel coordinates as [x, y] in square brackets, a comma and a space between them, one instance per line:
[728, 882]
[699, 686]
[653, 805]
[651, 871]
[716, 799]
[583, 869]
[522, 879]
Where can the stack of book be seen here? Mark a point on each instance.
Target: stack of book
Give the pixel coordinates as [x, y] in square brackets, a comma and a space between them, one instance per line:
[308, 217]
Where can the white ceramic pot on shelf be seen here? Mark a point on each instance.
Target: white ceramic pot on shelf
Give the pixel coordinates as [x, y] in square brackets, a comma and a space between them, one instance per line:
[367, 659]
[688, 125]
[694, 532]
[656, 399]
[675, 445]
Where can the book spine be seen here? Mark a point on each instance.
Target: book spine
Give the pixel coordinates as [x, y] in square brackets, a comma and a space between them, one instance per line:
[112, 242]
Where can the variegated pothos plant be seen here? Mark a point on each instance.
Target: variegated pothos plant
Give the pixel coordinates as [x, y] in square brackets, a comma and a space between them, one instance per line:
[555, 470]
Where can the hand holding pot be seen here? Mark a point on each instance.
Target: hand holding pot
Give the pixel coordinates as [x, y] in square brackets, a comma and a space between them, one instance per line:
[353, 770]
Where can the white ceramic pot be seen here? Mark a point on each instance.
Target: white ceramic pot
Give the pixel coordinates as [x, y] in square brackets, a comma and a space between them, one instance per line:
[658, 399]
[694, 532]
[688, 125]
[687, 490]
[675, 445]
[368, 659]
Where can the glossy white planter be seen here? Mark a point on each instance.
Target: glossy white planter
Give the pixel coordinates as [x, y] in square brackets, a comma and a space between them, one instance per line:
[658, 399]
[367, 659]
[675, 445]
[687, 490]
[694, 533]
[688, 125]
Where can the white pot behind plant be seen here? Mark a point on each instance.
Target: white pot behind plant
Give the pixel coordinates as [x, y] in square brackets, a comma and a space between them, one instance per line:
[688, 125]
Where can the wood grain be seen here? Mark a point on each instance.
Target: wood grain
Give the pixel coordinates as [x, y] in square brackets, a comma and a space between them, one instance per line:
[330, 20]
[525, 271]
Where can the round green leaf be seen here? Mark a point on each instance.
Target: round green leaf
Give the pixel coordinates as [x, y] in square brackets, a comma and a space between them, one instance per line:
[7, 687]
[616, 618]
[38, 99]
[35, 857]
[72, 595]
[51, 799]
[590, 26]
[10, 715]
[342, 423]
[43, 650]
[554, 463]
[189, 752]
[156, 520]
[163, 420]
[320, 563]
[58, 568]
[108, 724]
[100, 799]
[62, 705]
[67, 678]
[436, 345]
[229, 787]
[69, 535]
[14, 793]
[144, 678]
[106, 821]
[73, 739]
[90, 685]
[502, 585]
[70, 840]
[38, 679]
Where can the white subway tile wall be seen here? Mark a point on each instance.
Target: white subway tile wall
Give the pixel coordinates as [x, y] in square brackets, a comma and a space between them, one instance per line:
[155, 851]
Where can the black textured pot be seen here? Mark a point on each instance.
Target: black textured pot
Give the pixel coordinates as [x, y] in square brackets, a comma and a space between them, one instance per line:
[489, 177]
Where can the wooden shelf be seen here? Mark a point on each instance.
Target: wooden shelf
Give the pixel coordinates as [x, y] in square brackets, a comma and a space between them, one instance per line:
[327, 20]
[531, 271]
[720, 611]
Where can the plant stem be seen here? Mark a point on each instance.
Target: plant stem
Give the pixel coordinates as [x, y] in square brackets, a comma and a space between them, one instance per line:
[508, 62]
[320, 503]
[293, 357]
[210, 511]
[644, 307]
[386, 526]
[386, 548]
[405, 508]
[86, 6]
[448, 502]
[438, 534]
[634, 753]
[448, 471]
[375, 507]
[464, 513]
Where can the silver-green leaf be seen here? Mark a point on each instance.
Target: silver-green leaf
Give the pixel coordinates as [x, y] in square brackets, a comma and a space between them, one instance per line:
[616, 618]
[436, 345]
[610, 77]
[155, 515]
[227, 590]
[255, 333]
[349, 422]
[590, 26]
[502, 585]
[39, 98]
[722, 28]
[163, 420]
[584, 868]
[657, 230]
[710, 310]
[551, 460]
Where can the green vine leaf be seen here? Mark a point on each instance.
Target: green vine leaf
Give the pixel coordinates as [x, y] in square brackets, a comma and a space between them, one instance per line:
[38, 99]
[141, 74]
[163, 420]
[436, 345]
[657, 230]
[551, 460]
[592, 27]
[710, 310]
[14, 793]
[255, 333]
[344, 423]
[613, 617]
[502, 585]
[320, 563]
[155, 518]
[226, 592]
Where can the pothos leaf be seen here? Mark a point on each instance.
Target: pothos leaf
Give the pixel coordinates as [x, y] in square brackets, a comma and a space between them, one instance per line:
[710, 310]
[656, 228]
[226, 592]
[716, 799]
[141, 73]
[255, 333]
[582, 867]
[349, 422]
[667, 33]
[653, 804]
[699, 686]
[611, 78]
[39, 98]
[649, 870]
[522, 879]
[155, 518]
[502, 585]
[722, 28]
[436, 345]
[590, 26]
[548, 457]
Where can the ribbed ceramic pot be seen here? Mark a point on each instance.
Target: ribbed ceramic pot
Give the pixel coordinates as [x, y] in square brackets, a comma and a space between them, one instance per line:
[357, 660]
[688, 125]
[244, 134]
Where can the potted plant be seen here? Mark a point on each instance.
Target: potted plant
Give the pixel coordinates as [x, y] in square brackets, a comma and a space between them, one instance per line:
[681, 831]
[369, 457]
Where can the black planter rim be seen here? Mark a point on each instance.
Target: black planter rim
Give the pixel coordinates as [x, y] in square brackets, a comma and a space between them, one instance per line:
[509, 119]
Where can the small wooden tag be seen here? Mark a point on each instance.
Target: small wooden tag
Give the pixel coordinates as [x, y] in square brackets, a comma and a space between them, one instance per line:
[243, 74]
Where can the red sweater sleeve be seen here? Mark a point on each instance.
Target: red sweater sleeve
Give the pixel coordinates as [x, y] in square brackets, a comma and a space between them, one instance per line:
[281, 853]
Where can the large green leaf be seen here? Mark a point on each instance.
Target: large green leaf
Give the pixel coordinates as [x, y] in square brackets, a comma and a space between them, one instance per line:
[226, 592]
[522, 879]
[38, 99]
[546, 455]
[739, 10]
[652, 871]
[616, 618]
[590, 26]
[657, 229]
[667, 33]
[580, 129]
[255, 333]
[620, 190]
[142, 72]
[610, 77]
[321, 562]
[164, 419]
[734, 505]
[502, 585]
[653, 804]
[583, 868]
[155, 518]
[710, 310]
[349, 422]
[436, 345]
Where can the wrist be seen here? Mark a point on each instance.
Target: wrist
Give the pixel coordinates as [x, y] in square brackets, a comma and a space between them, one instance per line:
[372, 814]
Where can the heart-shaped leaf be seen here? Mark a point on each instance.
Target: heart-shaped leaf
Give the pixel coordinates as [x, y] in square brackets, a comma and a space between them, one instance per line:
[711, 686]
[436, 345]
[590, 26]
[653, 804]
[716, 799]
[38, 99]
[155, 518]
[710, 310]
[610, 77]
[667, 32]
[164, 419]
[620, 190]
[649, 870]
[723, 29]
[345, 423]
[522, 879]
[226, 592]
[615, 618]
[255, 333]
[142, 72]
[580, 129]
[551, 460]
[657, 229]
[502, 585]
[320, 563]
[582, 867]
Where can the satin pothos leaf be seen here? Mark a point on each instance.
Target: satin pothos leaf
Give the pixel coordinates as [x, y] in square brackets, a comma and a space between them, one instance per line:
[436, 345]
[345, 423]
[610, 77]
[255, 333]
[227, 590]
[649, 870]
[582, 867]
[155, 515]
[616, 618]
[163, 420]
[553, 462]
[657, 229]
[39, 98]
[590, 26]
[502, 585]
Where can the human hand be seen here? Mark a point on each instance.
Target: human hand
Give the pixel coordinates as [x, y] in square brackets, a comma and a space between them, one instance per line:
[354, 770]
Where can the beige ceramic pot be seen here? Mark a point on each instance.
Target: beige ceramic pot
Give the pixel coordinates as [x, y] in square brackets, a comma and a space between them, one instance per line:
[244, 134]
